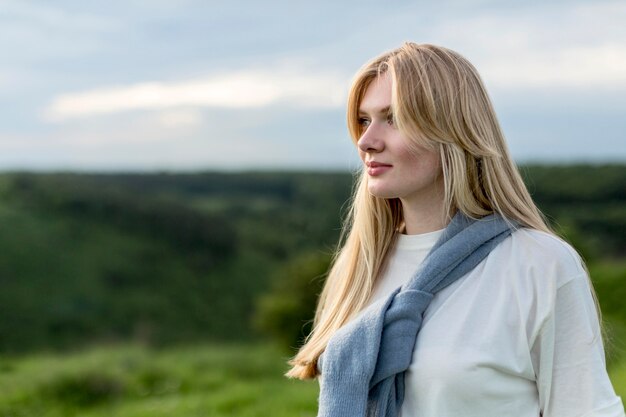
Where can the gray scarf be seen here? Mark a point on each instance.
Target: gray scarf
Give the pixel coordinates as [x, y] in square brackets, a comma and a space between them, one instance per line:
[364, 363]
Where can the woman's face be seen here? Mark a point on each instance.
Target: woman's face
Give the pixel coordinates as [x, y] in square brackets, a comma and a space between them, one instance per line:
[394, 169]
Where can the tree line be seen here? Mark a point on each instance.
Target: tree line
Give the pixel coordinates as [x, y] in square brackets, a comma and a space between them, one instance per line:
[165, 258]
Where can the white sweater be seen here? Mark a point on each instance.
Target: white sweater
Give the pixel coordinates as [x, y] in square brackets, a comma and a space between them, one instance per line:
[518, 336]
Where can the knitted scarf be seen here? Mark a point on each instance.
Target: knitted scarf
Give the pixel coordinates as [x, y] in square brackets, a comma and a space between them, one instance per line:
[364, 363]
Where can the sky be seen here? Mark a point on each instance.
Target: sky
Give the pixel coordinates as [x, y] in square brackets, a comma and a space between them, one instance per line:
[205, 85]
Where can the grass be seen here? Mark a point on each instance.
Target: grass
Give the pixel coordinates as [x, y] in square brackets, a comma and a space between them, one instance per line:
[130, 381]
[617, 374]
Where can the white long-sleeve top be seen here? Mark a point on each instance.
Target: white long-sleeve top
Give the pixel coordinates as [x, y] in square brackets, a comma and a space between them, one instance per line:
[518, 336]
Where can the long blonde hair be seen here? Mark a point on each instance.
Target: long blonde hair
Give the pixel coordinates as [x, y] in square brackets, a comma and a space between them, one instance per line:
[438, 101]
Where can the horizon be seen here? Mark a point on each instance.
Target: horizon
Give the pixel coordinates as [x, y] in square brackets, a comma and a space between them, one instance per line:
[278, 170]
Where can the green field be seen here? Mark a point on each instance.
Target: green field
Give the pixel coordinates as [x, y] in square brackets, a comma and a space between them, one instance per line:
[130, 381]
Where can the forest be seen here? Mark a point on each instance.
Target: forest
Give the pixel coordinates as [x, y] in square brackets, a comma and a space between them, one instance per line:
[161, 260]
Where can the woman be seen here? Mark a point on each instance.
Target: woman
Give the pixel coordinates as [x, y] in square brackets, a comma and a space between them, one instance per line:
[513, 330]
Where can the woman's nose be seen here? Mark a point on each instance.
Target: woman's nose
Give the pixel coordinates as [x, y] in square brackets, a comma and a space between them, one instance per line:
[370, 141]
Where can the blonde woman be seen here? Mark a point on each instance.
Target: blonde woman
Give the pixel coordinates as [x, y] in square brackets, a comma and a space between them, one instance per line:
[449, 295]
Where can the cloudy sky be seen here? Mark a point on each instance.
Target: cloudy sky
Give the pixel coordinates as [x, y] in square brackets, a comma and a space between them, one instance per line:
[187, 85]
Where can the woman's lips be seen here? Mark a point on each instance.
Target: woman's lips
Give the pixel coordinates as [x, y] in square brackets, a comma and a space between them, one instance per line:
[377, 168]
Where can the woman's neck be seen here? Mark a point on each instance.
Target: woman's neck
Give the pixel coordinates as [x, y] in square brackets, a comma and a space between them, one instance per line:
[424, 216]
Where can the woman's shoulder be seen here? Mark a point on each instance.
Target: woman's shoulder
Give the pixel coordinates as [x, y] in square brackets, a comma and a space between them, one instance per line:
[543, 244]
[540, 255]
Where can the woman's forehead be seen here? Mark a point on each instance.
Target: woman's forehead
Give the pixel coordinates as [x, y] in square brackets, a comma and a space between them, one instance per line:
[377, 97]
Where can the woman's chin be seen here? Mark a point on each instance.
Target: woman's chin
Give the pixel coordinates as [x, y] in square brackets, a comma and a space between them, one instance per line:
[381, 192]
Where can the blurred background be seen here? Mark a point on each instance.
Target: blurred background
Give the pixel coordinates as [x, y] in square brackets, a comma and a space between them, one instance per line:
[173, 176]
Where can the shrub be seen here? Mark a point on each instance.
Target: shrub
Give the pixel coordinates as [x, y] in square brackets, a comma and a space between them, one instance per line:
[285, 313]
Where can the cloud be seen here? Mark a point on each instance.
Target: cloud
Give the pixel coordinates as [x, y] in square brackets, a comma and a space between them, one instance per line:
[222, 139]
[244, 89]
[581, 47]
[53, 17]
[180, 118]
[578, 67]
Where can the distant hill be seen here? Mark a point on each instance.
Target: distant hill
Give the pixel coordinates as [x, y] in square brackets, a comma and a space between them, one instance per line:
[167, 258]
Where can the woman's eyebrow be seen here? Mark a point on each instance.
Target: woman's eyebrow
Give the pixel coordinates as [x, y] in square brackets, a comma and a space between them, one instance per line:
[385, 110]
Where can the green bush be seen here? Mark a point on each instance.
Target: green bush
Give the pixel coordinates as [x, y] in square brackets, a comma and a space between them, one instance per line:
[285, 313]
[84, 389]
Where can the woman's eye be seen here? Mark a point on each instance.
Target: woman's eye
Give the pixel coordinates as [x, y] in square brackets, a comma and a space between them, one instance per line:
[390, 119]
[363, 122]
